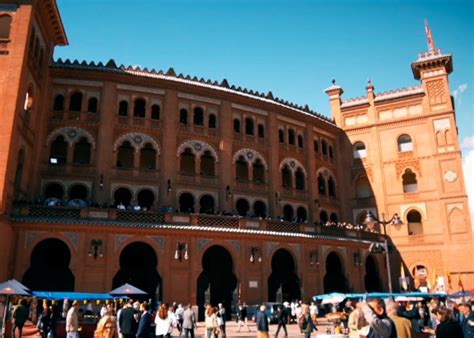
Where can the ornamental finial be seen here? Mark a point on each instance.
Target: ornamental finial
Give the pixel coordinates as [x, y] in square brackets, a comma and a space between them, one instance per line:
[429, 38]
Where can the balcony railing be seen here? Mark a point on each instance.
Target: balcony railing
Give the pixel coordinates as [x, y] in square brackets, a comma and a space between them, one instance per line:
[48, 214]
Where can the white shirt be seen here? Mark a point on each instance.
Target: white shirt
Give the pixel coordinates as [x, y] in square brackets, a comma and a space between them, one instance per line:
[163, 326]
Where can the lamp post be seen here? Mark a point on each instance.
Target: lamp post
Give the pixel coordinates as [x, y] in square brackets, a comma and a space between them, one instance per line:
[370, 219]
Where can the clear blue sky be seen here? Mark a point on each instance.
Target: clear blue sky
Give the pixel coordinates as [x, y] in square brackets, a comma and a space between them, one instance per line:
[291, 47]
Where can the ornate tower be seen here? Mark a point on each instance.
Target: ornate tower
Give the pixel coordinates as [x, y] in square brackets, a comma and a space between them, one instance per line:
[29, 30]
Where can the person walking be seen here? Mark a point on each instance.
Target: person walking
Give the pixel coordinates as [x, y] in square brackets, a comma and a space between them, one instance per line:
[164, 323]
[262, 323]
[282, 317]
[221, 320]
[305, 321]
[189, 322]
[211, 321]
[403, 325]
[242, 317]
[72, 321]
[20, 315]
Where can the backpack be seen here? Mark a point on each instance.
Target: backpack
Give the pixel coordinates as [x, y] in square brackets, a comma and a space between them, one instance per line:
[302, 322]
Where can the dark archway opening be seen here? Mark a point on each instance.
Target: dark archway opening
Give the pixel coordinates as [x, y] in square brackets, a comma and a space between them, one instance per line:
[260, 209]
[206, 204]
[146, 198]
[186, 203]
[243, 207]
[49, 267]
[122, 196]
[138, 263]
[78, 191]
[288, 213]
[283, 276]
[54, 190]
[217, 280]
[372, 280]
[334, 279]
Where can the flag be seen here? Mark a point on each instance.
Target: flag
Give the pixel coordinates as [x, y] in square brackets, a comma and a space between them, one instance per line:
[460, 284]
[402, 276]
[448, 277]
[434, 279]
[429, 37]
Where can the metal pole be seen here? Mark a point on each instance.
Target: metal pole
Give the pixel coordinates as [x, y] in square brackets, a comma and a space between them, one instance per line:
[387, 258]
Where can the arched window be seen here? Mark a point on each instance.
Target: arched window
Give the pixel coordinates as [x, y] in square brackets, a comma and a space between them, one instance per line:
[410, 183]
[237, 126]
[198, 118]
[324, 147]
[75, 103]
[333, 218]
[316, 146]
[288, 213]
[405, 144]
[206, 204]
[241, 169]
[281, 136]
[286, 180]
[258, 172]
[208, 164]
[58, 153]
[212, 121]
[291, 137]
[155, 112]
[148, 157]
[331, 152]
[243, 207]
[54, 190]
[5, 23]
[363, 189]
[139, 108]
[183, 117]
[82, 152]
[415, 224]
[78, 191]
[249, 126]
[58, 102]
[359, 151]
[261, 131]
[125, 156]
[300, 141]
[92, 105]
[122, 196]
[331, 187]
[321, 185]
[301, 214]
[323, 217]
[146, 198]
[186, 203]
[123, 108]
[188, 162]
[299, 179]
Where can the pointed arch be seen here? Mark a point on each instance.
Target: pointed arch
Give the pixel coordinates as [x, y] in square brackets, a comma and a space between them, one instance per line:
[71, 134]
[138, 141]
[250, 155]
[198, 148]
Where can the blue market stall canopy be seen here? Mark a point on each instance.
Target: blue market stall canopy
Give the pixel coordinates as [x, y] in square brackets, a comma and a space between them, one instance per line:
[71, 295]
[461, 294]
[13, 287]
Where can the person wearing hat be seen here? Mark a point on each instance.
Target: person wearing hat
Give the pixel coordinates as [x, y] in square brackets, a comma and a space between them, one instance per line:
[72, 321]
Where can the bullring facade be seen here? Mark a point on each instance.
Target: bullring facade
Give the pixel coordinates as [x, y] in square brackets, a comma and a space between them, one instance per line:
[197, 190]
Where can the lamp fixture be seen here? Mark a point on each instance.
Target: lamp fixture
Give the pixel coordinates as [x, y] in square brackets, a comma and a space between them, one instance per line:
[228, 192]
[313, 258]
[95, 248]
[101, 182]
[277, 198]
[357, 259]
[181, 251]
[169, 185]
[254, 255]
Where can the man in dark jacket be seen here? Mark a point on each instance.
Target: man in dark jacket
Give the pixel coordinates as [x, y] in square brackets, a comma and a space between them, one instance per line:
[467, 320]
[20, 315]
[144, 325]
[262, 323]
[128, 321]
[282, 317]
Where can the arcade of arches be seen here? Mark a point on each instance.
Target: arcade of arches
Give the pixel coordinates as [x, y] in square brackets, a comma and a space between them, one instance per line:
[218, 273]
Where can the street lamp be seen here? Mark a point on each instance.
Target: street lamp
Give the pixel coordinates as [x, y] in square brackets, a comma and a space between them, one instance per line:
[370, 219]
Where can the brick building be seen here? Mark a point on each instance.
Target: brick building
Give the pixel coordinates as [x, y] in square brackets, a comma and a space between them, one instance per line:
[113, 174]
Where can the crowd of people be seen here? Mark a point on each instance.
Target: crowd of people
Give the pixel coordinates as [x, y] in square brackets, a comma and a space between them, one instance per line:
[372, 318]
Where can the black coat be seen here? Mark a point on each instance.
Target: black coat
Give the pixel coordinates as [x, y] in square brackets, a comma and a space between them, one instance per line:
[449, 329]
[127, 321]
[144, 326]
